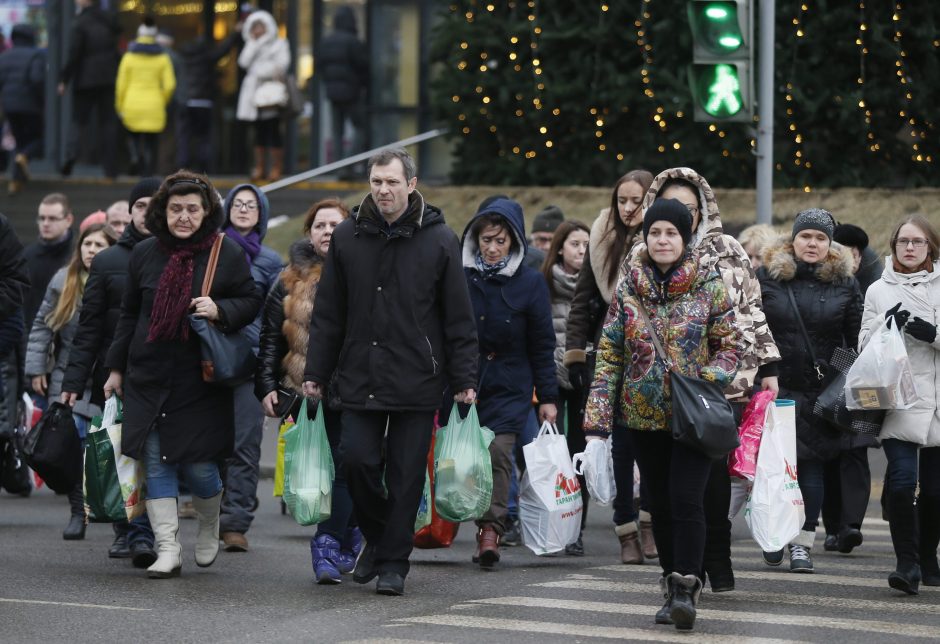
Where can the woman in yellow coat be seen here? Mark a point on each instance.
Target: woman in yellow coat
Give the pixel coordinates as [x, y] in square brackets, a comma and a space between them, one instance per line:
[145, 84]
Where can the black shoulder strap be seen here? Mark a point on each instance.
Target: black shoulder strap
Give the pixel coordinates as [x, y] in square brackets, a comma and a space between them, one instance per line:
[641, 310]
[799, 319]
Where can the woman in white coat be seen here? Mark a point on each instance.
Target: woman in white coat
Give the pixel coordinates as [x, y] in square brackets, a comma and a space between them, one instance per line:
[908, 294]
[266, 60]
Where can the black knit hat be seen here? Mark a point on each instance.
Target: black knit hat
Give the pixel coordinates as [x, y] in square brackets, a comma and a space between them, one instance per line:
[548, 220]
[146, 187]
[814, 219]
[851, 235]
[673, 211]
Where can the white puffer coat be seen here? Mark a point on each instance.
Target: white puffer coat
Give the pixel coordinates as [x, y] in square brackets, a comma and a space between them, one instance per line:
[918, 293]
[263, 59]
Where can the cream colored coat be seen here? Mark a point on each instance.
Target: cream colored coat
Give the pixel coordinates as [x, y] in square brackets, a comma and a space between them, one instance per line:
[918, 293]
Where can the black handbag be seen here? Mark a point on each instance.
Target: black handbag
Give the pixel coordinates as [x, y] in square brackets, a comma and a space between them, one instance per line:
[14, 473]
[54, 450]
[830, 403]
[228, 359]
[702, 418]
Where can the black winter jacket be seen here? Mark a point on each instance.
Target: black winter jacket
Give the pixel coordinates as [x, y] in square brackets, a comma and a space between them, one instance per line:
[23, 74]
[393, 316]
[343, 60]
[199, 59]
[101, 309]
[42, 262]
[163, 386]
[830, 305]
[93, 50]
[14, 283]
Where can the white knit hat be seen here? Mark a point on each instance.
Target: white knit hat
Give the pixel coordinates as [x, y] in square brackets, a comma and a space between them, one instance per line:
[145, 31]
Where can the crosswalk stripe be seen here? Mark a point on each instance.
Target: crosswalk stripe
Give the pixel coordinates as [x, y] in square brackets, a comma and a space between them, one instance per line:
[815, 621]
[580, 630]
[772, 574]
[9, 600]
[902, 605]
[835, 564]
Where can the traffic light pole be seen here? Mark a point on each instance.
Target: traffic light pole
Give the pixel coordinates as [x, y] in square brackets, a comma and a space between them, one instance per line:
[765, 111]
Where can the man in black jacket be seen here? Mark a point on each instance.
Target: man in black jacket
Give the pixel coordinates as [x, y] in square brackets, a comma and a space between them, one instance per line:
[393, 320]
[14, 282]
[22, 86]
[101, 308]
[91, 67]
[49, 253]
[343, 61]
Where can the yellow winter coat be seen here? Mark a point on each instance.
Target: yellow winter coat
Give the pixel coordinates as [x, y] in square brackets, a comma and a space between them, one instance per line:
[145, 84]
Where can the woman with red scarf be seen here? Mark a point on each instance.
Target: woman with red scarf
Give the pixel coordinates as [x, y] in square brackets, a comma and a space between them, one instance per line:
[174, 421]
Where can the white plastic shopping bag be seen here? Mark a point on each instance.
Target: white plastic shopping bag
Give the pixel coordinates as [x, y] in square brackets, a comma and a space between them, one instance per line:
[596, 465]
[550, 505]
[881, 377]
[774, 510]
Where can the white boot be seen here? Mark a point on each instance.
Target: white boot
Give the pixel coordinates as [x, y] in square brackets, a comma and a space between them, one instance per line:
[207, 541]
[166, 528]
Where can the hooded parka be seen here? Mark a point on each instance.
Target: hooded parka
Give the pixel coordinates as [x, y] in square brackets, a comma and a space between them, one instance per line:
[714, 249]
[263, 59]
[393, 317]
[513, 317]
[145, 85]
[830, 305]
[918, 293]
[343, 61]
[163, 386]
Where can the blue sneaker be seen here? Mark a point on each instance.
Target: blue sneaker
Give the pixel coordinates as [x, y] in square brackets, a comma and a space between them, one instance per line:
[349, 550]
[324, 550]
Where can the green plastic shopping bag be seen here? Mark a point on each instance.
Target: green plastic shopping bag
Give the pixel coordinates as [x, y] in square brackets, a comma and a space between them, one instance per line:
[424, 508]
[308, 469]
[112, 482]
[463, 472]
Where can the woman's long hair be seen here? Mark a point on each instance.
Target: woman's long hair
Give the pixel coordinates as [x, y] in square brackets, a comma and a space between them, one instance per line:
[620, 231]
[553, 255]
[75, 276]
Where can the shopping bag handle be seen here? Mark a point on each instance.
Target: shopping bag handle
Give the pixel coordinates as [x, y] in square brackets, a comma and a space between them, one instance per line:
[548, 428]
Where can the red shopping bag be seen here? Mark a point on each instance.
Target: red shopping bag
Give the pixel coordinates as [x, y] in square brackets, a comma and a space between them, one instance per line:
[742, 463]
[440, 533]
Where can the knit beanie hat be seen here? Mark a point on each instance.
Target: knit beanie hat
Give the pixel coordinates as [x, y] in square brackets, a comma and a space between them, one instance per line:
[851, 235]
[814, 219]
[673, 211]
[146, 187]
[148, 29]
[548, 220]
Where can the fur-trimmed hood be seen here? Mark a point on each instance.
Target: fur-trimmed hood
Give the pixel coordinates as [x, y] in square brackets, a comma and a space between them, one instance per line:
[600, 245]
[709, 223]
[781, 264]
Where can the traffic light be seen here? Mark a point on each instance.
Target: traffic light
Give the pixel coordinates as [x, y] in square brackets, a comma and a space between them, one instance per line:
[720, 75]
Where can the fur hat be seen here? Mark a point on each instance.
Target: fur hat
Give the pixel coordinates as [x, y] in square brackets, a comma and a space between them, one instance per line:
[814, 219]
[673, 211]
[851, 235]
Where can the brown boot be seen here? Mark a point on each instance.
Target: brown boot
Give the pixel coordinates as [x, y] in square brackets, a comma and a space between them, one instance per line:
[646, 535]
[258, 171]
[630, 552]
[489, 546]
[277, 164]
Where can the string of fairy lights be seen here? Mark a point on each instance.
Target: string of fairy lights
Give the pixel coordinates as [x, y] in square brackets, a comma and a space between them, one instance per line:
[598, 115]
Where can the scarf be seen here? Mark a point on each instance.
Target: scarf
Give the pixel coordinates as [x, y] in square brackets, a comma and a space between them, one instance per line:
[490, 270]
[904, 270]
[250, 243]
[168, 318]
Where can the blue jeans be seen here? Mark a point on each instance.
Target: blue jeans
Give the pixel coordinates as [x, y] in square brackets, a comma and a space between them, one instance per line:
[812, 485]
[903, 470]
[203, 478]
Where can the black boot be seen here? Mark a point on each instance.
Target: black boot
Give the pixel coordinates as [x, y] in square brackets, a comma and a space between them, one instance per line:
[75, 530]
[663, 614]
[928, 510]
[119, 548]
[685, 591]
[904, 536]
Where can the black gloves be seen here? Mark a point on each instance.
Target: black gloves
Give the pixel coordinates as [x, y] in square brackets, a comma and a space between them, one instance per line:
[900, 317]
[578, 375]
[921, 330]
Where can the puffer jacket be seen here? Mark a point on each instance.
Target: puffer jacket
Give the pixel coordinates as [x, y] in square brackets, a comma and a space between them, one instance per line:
[343, 60]
[145, 85]
[722, 252]
[564, 284]
[696, 325]
[22, 73]
[42, 339]
[285, 324]
[830, 305]
[263, 59]
[514, 325]
[918, 293]
[267, 264]
[92, 60]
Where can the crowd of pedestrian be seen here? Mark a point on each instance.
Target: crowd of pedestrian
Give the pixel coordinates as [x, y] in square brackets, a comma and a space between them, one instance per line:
[383, 317]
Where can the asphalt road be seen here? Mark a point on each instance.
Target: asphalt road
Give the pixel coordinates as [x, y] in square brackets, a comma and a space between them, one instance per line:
[53, 590]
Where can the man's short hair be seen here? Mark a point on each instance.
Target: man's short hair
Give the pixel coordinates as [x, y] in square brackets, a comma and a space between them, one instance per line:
[57, 198]
[387, 156]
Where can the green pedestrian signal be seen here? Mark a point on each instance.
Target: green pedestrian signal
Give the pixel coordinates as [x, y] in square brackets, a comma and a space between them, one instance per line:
[720, 76]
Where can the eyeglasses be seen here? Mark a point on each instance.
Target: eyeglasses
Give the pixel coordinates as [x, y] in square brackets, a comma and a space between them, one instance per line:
[902, 242]
[247, 205]
[48, 220]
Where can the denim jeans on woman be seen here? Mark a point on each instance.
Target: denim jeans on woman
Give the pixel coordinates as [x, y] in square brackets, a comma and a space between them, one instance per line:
[203, 478]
